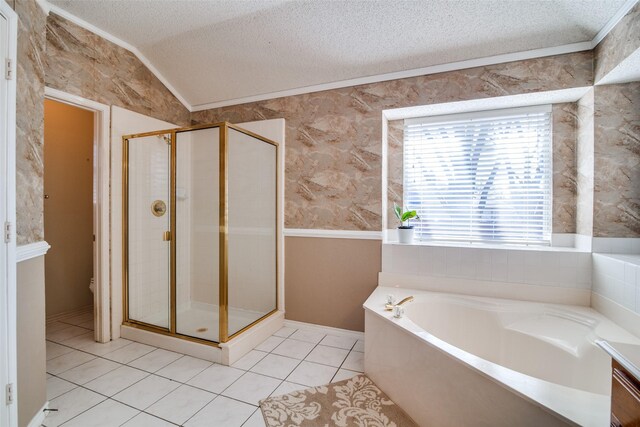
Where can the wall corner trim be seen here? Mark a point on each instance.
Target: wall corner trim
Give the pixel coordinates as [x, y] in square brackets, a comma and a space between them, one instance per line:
[31, 250]
[333, 234]
[38, 419]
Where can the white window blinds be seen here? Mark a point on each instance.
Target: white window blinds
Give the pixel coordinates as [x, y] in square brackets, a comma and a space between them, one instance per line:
[481, 177]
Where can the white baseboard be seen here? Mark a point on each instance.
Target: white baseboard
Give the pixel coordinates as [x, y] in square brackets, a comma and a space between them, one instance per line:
[38, 420]
[325, 329]
[70, 313]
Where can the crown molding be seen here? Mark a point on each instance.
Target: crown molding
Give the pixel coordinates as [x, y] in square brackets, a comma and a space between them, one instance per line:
[115, 40]
[615, 20]
[459, 65]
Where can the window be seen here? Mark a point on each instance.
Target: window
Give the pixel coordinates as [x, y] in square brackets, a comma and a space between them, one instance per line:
[481, 177]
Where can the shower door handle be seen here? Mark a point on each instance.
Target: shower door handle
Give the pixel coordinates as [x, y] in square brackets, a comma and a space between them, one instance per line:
[166, 236]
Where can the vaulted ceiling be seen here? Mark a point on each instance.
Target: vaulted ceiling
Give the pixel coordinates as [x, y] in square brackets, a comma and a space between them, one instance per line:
[226, 50]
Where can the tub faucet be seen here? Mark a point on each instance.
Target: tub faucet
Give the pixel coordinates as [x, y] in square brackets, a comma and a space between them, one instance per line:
[390, 306]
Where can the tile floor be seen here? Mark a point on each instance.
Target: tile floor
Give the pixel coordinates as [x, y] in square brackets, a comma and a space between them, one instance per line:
[124, 383]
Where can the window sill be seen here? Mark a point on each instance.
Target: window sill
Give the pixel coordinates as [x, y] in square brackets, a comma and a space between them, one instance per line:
[388, 240]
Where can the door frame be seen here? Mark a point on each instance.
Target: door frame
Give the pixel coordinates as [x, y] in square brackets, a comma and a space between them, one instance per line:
[101, 218]
[8, 285]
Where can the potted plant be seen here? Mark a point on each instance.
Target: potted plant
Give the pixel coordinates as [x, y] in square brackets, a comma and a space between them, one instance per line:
[405, 232]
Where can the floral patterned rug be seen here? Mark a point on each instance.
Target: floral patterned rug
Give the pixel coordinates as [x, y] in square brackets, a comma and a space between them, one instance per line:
[353, 402]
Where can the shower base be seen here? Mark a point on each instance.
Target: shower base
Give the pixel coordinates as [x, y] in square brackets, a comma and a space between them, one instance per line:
[201, 320]
[199, 315]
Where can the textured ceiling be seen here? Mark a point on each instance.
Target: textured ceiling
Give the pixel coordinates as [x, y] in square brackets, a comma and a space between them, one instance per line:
[219, 50]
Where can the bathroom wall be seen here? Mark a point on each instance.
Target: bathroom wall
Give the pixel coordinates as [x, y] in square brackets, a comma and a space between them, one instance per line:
[32, 377]
[623, 40]
[617, 160]
[328, 280]
[82, 63]
[30, 121]
[333, 159]
[585, 159]
[68, 215]
[564, 167]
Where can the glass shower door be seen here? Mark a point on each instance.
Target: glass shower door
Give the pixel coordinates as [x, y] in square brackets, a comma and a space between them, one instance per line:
[251, 229]
[147, 187]
[197, 241]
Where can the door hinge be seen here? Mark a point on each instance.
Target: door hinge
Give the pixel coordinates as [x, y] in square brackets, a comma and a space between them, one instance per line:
[7, 232]
[8, 69]
[9, 394]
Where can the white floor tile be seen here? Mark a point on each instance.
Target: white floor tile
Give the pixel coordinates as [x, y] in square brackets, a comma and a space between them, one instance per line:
[216, 378]
[286, 387]
[71, 404]
[285, 332]
[100, 349]
[276, 366]
[66, 333]
[157, 359]
[359, 346]
[344, 374]
[184, 369]
[251, 388]
[106, 414]
[144, 393]
[56, 326]
[54, 350]
[345, 343]
[129, 353]
[256, 420]
[331, 356]
[247, 361]
[80, 341]
[89, 371]
[294, 349]
[80, 318]
[146, 420]
[308, 336]
[57, 387]
[354, 362]
[181, 404]
[222, 412]
[88, 325]
[67, 361]
[116, 380]
[312, 374]
[269, 344]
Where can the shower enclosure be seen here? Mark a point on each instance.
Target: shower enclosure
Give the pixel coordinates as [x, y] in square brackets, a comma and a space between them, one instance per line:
[201, 225]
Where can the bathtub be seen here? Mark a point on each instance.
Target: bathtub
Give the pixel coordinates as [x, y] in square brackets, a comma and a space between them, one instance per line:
[456, 360]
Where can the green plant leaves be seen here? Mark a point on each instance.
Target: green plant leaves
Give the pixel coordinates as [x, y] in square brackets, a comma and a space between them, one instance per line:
[409, 215]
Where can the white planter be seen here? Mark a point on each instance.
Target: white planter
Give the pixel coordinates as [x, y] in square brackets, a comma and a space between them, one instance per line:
[405, 235]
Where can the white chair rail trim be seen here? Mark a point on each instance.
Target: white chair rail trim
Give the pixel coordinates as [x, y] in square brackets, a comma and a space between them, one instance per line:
[31, 250]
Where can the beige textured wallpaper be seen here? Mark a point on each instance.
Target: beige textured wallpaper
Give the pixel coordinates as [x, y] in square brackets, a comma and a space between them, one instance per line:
[30, 121]
[333, 157]
[623, 40]
[617, 161]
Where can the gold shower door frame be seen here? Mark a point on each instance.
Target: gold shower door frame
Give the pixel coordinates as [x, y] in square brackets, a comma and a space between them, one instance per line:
[223, 302]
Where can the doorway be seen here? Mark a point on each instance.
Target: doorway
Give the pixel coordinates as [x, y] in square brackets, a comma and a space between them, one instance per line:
[68, 213]
[76, 213]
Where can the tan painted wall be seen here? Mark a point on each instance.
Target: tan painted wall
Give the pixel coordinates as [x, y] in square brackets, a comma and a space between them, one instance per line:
[328, 280]
[32, 393]
[68, 213]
